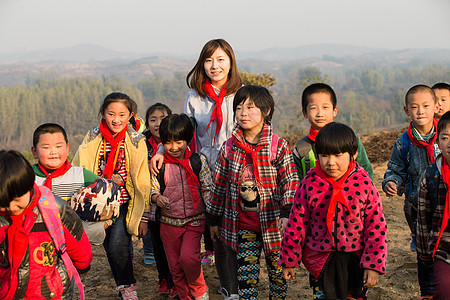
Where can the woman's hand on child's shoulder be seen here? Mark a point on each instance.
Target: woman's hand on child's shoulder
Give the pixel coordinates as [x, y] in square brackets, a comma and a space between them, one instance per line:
[156, 163]
[288, 273]
[371, 278]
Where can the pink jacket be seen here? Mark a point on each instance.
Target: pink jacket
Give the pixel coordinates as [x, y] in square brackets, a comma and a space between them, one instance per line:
[361, 230]
[177, 190]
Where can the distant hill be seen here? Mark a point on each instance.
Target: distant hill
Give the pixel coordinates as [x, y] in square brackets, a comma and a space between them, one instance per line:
[95, 61]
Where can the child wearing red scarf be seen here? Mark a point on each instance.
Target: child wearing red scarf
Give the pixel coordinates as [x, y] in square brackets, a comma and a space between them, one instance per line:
[319, 107]
[337, 226]
[152, 244]
[252, 193]
[181, 194]
[30, 267]
[116, 151]
[433, 232]
[53, 170]
[413, 151]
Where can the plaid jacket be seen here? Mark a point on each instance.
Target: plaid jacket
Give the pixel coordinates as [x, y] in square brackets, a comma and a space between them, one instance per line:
[432, 197]
[277, 186]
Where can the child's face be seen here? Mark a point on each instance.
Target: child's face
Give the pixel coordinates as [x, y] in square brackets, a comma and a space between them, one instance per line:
[444, 142]
[154, 120]
[335, 165]
[176, 148]
[116, 116]
[443, 102]
[217, 67]
[421, 108]
[17, 205]
[51, 151]
[249, 116]
[320, 110]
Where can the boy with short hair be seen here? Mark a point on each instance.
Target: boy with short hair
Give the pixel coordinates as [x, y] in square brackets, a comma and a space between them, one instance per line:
[319, 106]
[433, 234]
[442, 91]
[53, 169]
[411, 154]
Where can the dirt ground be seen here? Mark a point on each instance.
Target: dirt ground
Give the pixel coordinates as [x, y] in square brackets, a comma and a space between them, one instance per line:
[399, 282]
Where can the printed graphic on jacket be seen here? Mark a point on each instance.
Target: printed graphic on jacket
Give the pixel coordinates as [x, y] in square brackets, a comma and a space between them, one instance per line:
[248, 190]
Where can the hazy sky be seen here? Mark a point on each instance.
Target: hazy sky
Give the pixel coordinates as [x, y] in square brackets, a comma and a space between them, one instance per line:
[177, 27]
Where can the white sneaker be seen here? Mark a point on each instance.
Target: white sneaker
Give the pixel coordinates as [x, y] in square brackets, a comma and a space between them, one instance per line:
[233, 297]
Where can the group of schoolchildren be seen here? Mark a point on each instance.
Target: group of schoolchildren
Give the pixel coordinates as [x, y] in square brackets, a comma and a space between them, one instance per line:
[218, 172]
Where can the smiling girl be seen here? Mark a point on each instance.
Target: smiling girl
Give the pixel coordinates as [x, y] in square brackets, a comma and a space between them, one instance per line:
[116, 151]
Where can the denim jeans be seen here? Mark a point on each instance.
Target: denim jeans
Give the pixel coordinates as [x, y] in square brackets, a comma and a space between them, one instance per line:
[426, 276]
[117, 246]
[147, 242]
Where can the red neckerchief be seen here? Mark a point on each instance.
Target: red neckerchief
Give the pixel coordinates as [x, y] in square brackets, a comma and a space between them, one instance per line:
[58, 172]
[337, 195]
[208, 88]
[253, 153]
[114, 142]
[18, 238]
[445, 170]
[312, 134]
[190, 175]
[154, 144]
[429, 146]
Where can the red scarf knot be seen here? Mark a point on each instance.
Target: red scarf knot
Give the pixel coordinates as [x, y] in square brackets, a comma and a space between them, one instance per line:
[217, 115]
[429, 146]
[114, 141]
[336, 196]
[56, 173]
[312, 134]
[192, 179]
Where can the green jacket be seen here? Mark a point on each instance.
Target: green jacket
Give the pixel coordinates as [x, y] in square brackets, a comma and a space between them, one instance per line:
[305, 157]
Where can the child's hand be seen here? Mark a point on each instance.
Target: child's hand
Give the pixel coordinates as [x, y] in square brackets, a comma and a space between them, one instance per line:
[282, 222]
[215, 233]
[156, 163]
[143, 228]
[288, 273]
[371, 278]
[390, 189]
[162, 201]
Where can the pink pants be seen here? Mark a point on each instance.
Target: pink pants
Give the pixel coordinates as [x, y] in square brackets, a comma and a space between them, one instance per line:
[182, 247]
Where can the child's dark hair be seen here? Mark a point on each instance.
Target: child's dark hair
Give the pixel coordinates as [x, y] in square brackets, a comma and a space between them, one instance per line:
[197, 75]
[444, 121]
[16, 176]
[176, 127]
[156, 106]
[318, 88]
[48, 128]
[441, 86]
[417, 89]
[117, 97]
[260, 96]
[335, 138]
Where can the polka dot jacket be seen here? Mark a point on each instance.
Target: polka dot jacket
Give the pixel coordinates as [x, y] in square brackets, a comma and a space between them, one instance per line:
[361, 230]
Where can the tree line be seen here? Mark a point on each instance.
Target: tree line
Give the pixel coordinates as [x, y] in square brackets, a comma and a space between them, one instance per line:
[369, 98]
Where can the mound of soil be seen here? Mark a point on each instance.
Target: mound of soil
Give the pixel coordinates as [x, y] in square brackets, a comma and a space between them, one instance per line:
[379, 145]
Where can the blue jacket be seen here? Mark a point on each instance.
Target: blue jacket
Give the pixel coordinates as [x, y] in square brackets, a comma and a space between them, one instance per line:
[407, 173]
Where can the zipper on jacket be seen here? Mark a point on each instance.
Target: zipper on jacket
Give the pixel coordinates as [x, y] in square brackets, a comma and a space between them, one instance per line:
[182, 188]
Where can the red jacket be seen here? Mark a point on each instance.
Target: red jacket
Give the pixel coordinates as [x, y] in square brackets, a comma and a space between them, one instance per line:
[42, 274]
